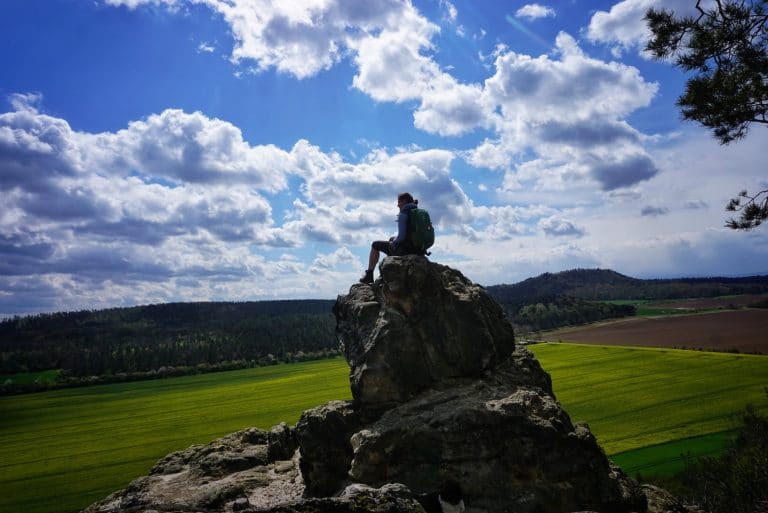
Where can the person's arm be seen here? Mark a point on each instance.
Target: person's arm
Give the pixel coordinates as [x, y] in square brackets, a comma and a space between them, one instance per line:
[402, 228]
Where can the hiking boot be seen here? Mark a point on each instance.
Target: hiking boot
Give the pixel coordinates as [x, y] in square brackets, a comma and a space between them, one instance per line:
[367, 278]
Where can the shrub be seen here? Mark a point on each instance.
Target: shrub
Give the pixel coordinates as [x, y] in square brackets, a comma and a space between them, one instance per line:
[737, 481]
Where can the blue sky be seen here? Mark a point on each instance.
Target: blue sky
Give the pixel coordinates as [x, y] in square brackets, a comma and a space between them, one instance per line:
[186, 150]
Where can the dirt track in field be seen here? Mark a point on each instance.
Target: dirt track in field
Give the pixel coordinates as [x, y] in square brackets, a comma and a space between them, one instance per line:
[742, 330]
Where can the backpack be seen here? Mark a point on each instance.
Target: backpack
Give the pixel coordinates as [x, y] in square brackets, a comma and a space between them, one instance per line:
[421, 234]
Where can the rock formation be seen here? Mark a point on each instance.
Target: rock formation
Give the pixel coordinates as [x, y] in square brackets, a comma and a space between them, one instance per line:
[440, 394]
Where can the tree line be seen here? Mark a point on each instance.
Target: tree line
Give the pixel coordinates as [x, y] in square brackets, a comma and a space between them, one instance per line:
[557, 311]
[137, 342]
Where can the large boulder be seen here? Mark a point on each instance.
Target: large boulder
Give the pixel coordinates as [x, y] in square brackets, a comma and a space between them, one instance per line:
[418, 325]
[507, 442]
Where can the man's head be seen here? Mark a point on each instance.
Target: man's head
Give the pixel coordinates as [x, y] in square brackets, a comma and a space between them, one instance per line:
[404, 198]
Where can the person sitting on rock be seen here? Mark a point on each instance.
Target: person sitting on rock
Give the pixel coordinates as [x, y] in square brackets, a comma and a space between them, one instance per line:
[395, 246]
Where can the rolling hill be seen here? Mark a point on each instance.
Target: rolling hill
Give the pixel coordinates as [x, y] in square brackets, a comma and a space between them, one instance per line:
[605, 284]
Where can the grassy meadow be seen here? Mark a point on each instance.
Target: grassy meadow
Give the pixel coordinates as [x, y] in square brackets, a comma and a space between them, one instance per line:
[62, 450]
[648, 405]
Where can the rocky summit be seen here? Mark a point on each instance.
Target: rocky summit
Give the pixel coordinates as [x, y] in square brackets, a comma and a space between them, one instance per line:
[445, 411]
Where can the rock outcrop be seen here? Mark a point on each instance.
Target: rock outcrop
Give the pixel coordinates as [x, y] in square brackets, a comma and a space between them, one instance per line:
[422, 323]
[440, 394]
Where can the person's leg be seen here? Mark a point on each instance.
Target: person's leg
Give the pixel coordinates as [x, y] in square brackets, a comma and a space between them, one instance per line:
[378, 247]
[373, 258]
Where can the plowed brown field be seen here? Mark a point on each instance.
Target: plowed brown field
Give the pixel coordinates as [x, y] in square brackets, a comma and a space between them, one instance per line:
[742, 330]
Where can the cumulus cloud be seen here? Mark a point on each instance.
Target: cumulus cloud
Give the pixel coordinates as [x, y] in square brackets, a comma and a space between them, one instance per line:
[624, 25]
[305, 38]
[452, 108]
[558, 227]
[566, 103]
[389, 41]
[135, 205]
[193, 148]
[568, 100]
[179, 205]
[574, 87]
[179, 201]
[535, 11]
[626, 170]
[332, 260]
[561, 121]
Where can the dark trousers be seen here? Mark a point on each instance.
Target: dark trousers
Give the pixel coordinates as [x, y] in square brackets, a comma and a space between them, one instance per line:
[400, 250]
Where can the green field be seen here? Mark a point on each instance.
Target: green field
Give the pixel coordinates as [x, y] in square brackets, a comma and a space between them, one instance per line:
[648, 405]
[667, 459]
[62, 450]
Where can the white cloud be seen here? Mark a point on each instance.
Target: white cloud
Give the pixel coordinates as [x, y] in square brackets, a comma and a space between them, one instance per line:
[332, 260]
[392, 65]
[206, 47]
[535, 11]
[104, 224]
[559, 227]
[624, 25]
[28, 102]
[575, 87]
[305, 38]
[389, 42]
[137, 202]
[560, 121]
[192, 148]
[451, 108]
[180, 202]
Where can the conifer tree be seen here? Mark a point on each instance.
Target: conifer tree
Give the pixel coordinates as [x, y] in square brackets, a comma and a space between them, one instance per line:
[726, 47]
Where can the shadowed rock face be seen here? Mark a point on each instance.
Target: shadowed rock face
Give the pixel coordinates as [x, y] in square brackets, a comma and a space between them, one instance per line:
[441, 394]
[420, 324]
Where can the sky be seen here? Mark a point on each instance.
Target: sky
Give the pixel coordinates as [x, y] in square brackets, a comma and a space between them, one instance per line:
[157, 151]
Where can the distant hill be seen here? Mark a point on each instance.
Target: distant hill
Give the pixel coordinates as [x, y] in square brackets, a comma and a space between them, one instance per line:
[605, 284]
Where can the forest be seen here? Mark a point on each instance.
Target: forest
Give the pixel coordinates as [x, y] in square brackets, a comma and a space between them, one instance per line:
[552, 312]
[168, 339]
